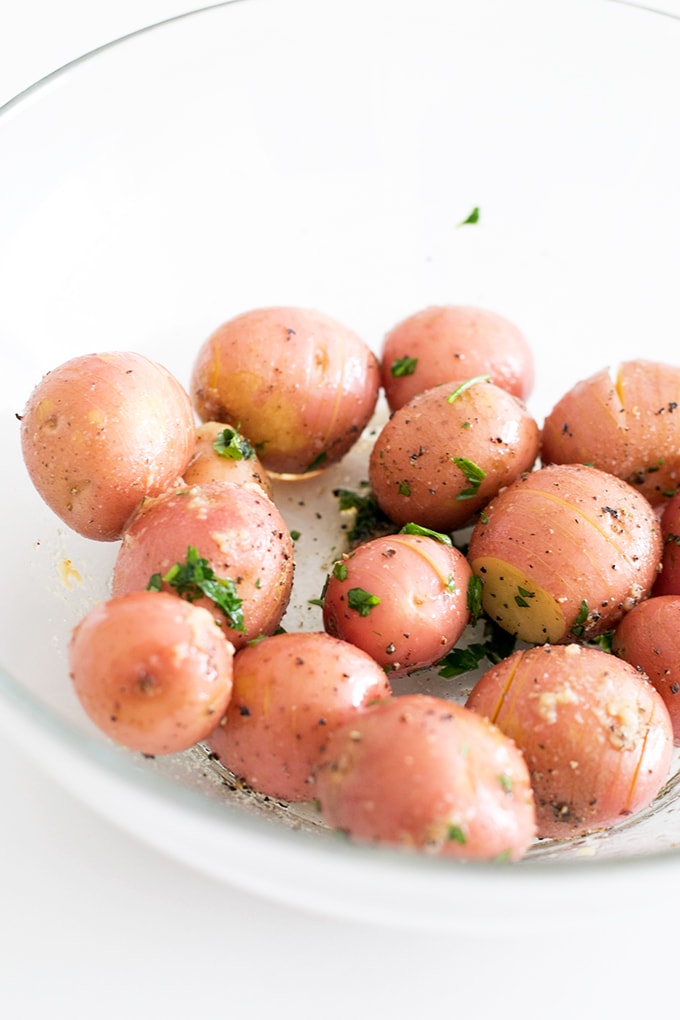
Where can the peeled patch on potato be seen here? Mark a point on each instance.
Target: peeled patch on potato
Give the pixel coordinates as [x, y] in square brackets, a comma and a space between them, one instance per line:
[595, 733]
[298, 384]
[564, 552]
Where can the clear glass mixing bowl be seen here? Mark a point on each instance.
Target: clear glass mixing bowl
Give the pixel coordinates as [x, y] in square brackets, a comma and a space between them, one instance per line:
[326, 155]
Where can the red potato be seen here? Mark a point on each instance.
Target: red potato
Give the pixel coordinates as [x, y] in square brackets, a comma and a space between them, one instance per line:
[596, 735]
[441, 457]
[297, 383]
[624, 421]
[237, 530]
[291, 691]
[564, 552]
[402, 598]
[668, 581]
[424, 773]
[100, 433]
[153, 672]
[453, 342]
[222, 454]
[649, 638]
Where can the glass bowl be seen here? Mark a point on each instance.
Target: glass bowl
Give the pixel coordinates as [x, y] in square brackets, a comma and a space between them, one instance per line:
[259, 153]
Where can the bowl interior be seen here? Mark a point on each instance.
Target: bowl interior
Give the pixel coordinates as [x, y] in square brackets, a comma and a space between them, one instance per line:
[262, 153]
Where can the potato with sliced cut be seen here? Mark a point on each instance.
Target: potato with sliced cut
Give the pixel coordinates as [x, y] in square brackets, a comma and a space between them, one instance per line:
[594, 732]
[564, 552]
[624, 420]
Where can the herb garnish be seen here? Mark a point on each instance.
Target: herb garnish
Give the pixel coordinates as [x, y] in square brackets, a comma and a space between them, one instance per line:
[462, 387]
[361, 601]
[369, 520]
[474, 598]
[403, 366]
[418, 529]
[521, 598]
[340, 570]
[456, 834]
[580, 620]
[231, 444]
[194, 579]
[472, 217]
[473, 474]
[497, 646]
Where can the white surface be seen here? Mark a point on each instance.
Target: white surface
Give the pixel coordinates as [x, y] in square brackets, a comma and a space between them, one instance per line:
[94, 924]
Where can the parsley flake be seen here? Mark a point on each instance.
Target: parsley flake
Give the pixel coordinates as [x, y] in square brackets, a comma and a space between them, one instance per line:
[472, 217]
[473, 474]
[361, 601]
[418, 529]
[231, 444]
[403, 366]
[195, 579]
[462, 387]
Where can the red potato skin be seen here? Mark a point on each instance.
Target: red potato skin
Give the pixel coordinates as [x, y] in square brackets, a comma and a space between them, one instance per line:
[454, 341]
[420, 772]
[238, 530]
[206, 465]
[649, 639]
[298, 384]
[153, 672]
[422, 586]
[596, 735]
[578, 534]
[411, 468]
[100, 433]
[291, 691]
[628, 425]
[668, 581]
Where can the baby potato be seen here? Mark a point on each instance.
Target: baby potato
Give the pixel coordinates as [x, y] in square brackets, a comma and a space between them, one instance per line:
[648, 638]
[291, 691]
[452, 342]
[402, 598]
[222, 454]
[298, 384]
[222, 545]
[668, 581]
[596, 735]
[564, 552]
[152, 671]
[424, 773]
[100, 433]
[625, 421]
[441, 457]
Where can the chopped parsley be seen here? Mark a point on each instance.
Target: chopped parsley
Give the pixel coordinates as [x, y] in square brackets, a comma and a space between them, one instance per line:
[474, 475]
[403, 366]
[521, 598]
[317, 462]
[581, 618]
[418, 529]
[369, 520]
[361, 601]
[472, 217]
[231, 444]
[195, 579]
[497, 646]
[456, 834]
[340, 570]
[404, 489]
[474, 598]
[462, 387]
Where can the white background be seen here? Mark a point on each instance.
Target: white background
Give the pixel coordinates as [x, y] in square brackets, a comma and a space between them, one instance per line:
[94, 925]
